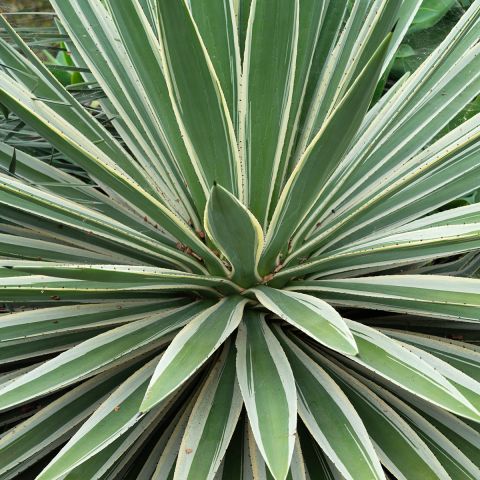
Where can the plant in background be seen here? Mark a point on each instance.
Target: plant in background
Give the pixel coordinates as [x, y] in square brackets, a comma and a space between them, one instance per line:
[251, 278]
[63, 67]
[431, 24]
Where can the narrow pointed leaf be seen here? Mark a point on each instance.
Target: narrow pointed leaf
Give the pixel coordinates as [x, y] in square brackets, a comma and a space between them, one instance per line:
[461, 355]
[166, 463]
[211, 423]
[454, 461]
[330, 417]
[266, 95]
[236, 464]
[115, 416]
[392, 250]
[399, 448]
[216, 24]
[313, 316]
[326, 150]
[268, 390]
[74, 318]
[390, 360]
[260, 469]
[118, 274]
[41, 433]
[143, 50]
[197, 98]
[192, 347]
[466, 385]
[462, 434]
[311, 20]
[91, 356]
[427, 295]
[317, 464]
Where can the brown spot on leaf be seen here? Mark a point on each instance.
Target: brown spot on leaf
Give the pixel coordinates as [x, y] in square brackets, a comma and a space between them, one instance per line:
[267, 278]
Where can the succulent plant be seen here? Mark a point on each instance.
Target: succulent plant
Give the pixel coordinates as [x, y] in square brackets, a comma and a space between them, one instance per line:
[249, 273]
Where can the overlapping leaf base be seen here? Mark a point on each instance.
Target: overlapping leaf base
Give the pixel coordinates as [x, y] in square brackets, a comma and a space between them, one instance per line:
[234, 264]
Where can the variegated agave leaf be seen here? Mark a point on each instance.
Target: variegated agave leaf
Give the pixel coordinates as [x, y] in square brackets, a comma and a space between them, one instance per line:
[234, 264]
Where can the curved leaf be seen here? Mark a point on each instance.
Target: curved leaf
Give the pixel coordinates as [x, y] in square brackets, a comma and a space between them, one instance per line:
[236, 232]
[330, 417]
[192, 347]
[313, 316]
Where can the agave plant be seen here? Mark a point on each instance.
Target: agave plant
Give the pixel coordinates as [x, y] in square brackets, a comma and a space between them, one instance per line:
[252, 275]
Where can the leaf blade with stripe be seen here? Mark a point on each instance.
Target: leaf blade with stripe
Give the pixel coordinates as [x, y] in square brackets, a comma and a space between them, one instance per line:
[268, 389]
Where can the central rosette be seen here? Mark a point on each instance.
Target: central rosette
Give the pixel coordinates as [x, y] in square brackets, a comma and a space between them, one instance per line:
[237, 235]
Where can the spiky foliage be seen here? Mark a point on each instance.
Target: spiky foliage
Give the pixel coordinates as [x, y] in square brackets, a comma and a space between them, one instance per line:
[247, 274]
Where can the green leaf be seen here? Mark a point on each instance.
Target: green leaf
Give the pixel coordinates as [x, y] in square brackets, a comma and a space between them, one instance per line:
[312, 19]
[456, 463]
[466, 385]
[143, 49]
[116, 415]
[38, 288]
[130, 276]
[356, 35]
[217, 27]
[461, 355]
[440, 173]
[86, 154]
[96, 354]
[427, 295]
[40, 434]
[37, 172]
[236, 232]
[260, 469]
[97, 463]
[406, 14]
[399, 448]
[235, 465]
[212, 422]
[151, 462]
[30, 71]
[330, 30]
[311, 315]
[14, 351]
[166, 463]
[415, 114]
[88, 223]
[317, 463]
[266, 95]
[390, 250]
[430, 13]
[458, 431]
[330, 417]
[192, 347]
[24, 247]
[33, 324]
[147, 124]
[331, 142]
[390, 360]
[268, 390]
[198, 101]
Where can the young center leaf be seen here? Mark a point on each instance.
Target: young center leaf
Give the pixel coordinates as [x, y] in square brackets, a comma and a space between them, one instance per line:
[236, 232]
